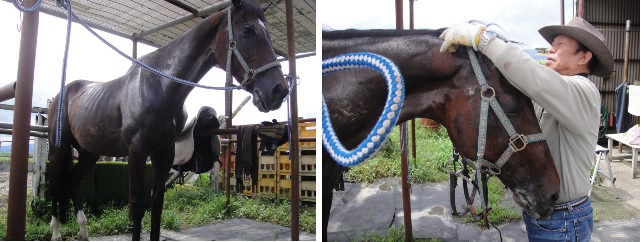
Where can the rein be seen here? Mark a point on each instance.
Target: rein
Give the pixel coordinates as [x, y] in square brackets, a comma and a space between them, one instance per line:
[386, 122]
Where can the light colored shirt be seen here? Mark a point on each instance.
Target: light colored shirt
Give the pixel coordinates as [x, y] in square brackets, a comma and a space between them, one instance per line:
[568, 109]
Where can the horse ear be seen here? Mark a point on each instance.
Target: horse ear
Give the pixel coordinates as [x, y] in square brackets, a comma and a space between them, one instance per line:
[237, 3]
[267, 6]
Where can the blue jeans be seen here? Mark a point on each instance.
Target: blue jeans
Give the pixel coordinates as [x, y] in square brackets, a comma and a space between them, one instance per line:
[570, 224]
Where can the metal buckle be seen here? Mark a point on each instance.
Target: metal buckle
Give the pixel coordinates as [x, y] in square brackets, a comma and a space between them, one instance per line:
[514, 139]
[232, 44]
[484, 91]
[250, 72]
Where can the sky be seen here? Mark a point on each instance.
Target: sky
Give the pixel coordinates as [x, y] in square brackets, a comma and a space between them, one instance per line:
[90, 59]
[519, 19]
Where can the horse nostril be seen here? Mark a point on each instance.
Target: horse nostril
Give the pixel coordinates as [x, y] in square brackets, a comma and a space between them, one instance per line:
[554, 197]
[279, 90]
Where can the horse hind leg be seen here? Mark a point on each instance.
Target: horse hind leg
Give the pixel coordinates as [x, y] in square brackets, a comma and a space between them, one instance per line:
[86, 163]
[59, 170]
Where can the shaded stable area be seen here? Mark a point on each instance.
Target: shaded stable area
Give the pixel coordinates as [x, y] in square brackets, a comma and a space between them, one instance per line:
[291, 23]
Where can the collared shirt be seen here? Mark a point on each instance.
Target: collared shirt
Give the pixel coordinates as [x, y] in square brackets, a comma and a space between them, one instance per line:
[568, 108]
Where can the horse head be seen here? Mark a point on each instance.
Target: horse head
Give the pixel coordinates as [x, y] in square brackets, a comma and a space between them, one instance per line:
[254, 64]
[529, 172]
[441, 86]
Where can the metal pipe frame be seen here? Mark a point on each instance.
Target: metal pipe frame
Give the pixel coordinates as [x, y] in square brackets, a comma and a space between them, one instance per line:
[16, 214]
[8, 92]
[38, 128]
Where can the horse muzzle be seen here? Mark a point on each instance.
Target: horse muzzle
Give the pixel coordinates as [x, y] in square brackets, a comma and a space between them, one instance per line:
[535, 207]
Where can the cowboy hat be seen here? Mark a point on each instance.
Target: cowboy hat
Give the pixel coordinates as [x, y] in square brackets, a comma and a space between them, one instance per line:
[586, 34]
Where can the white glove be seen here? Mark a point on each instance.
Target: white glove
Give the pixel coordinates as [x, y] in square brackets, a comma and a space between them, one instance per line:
[463, 33]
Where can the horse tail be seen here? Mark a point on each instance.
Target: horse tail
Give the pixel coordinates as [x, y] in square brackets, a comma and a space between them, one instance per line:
[60, 165]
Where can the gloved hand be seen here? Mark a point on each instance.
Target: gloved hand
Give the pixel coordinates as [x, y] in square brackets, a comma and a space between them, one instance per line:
[462, 33]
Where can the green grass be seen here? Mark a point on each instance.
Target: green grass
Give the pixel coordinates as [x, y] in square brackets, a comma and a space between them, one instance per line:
[394, 234]
[184, 206]
[433, 164]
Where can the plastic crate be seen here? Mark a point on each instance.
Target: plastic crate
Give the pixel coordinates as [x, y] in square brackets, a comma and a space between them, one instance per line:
[267, 163]
[267, 186]
[307, 161]
[283, 161]
[307, 191]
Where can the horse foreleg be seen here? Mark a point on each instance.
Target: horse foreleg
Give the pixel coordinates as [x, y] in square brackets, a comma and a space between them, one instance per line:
[136, 170]
[327, 199]
[161, 164]
[86, 163]
[55, 229]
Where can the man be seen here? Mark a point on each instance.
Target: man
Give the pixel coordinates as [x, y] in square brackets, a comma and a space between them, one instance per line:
[567, 105]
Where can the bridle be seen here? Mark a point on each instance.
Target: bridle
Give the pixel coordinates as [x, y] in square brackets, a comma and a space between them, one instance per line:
[516, 143]
[249, 73]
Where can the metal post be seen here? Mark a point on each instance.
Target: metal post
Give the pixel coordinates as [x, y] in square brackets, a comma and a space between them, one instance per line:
[561, 12]
[135, 40]
[16, 214]
[294, 148]
[413, 121]
[580, 9]
[404, 159]
[626, 49]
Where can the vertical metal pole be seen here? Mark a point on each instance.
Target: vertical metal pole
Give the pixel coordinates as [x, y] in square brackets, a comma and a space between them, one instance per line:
[404, 159]
[134, 47]
[561, 12]
[626, 49]
[295, 136]
[580, 9]
[16, 214]
[413, 121]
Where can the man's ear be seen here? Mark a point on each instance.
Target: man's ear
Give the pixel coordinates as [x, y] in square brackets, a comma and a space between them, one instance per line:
[585, 58]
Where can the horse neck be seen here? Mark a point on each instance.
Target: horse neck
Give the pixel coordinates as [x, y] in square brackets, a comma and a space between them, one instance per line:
[188, 57]
[428, 73]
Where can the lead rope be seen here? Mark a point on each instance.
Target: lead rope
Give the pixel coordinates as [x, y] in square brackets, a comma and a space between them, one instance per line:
[386, 122]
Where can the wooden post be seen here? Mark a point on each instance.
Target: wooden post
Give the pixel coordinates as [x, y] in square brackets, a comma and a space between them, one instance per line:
[38, 181]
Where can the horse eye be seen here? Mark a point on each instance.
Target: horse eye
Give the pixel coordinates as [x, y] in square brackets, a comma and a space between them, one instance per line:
[247, 31]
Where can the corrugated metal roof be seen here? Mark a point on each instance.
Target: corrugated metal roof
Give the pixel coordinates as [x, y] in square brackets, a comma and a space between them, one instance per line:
[161, 21]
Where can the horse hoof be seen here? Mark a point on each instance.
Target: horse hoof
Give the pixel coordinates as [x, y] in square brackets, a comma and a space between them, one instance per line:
[56, 238]
[83, 238]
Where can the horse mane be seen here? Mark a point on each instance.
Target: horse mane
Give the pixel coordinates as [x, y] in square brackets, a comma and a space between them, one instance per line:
[355, 33]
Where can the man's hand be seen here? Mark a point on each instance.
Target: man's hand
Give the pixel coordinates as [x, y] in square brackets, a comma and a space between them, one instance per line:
[462, 33]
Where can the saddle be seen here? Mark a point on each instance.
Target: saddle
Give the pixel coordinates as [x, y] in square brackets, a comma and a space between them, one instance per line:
[198, 153]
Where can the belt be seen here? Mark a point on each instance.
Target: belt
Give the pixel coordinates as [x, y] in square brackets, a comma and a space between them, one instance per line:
[572, 204]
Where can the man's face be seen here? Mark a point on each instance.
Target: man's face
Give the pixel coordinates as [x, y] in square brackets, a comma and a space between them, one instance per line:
[563, 58]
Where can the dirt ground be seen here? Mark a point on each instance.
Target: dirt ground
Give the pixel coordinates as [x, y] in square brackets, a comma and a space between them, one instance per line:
[4, 189]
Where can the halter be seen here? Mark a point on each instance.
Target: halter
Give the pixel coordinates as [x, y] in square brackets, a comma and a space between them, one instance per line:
[232, 48]
[517, 142]
[386, 122]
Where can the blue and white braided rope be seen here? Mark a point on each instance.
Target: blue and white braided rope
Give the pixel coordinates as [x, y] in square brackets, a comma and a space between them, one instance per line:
[386, 122]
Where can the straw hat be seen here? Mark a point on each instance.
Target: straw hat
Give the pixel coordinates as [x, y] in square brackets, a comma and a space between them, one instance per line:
[586, 34]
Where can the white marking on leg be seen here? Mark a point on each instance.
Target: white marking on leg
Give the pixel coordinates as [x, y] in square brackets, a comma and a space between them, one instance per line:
[82, 224]
[55, 229]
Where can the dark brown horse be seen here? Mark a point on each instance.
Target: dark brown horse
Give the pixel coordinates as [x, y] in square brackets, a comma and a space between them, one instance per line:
[439, 86]
[140, 114]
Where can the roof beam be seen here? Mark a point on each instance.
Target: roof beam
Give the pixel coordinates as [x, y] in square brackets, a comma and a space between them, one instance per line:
[183, 6]
[214, 8]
